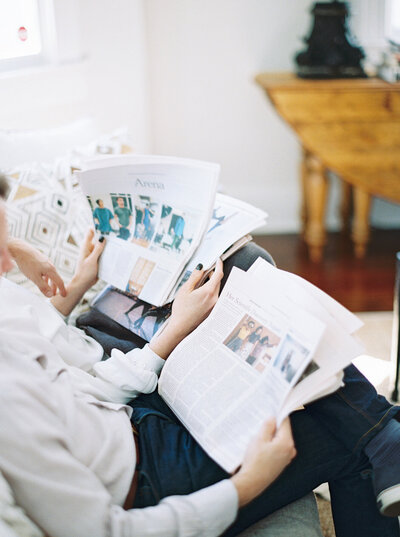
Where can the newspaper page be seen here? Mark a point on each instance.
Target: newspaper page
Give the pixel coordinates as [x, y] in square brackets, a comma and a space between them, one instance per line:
[231, 220]
[153, 211]
[349, 322]
[236, 369]
[337, 348]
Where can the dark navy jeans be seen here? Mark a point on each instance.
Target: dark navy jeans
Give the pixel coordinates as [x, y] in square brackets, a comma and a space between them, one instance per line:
[329, 434]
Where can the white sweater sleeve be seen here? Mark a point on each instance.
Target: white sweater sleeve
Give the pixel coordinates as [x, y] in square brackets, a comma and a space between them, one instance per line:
[122, 377]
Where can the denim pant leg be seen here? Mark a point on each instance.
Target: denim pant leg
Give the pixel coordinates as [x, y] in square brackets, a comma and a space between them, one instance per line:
[322, 458]
[171, 462]
[355, 413]
[244, 258]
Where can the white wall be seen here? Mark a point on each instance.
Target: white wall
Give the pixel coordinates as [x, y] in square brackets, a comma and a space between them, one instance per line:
[203, 56]
[205, 104]
[101, 71]
[114, 43]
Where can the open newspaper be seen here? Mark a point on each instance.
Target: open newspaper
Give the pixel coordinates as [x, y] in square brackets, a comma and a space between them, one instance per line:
[272, 343]
[161, 217]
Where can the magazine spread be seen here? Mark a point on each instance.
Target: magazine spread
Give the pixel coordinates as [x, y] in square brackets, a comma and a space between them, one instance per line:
[161, 217]
[154, 212]
[271, 344]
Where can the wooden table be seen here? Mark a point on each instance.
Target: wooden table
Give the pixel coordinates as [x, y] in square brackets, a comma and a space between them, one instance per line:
[349, 126]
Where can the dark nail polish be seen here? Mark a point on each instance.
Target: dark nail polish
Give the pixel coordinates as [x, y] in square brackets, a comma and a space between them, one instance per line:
[101, 239]
[199, 266]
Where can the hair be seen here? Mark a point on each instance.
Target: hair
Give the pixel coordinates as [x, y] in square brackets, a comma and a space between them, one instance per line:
[258, 328]
[3, 187]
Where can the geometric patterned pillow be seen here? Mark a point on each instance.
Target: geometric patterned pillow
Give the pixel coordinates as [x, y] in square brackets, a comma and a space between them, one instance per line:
[46, 208]
[43, 213]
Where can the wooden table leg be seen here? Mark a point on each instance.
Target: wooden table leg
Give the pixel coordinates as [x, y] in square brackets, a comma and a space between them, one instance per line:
[360, 228]
[345, 205]
[304, 172]
[315, 188]
[396, 329]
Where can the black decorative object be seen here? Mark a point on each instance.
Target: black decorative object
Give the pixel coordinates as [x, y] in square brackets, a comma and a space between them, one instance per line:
[329, 53]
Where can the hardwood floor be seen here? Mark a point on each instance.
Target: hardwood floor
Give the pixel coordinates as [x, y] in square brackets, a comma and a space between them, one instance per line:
[360, 285]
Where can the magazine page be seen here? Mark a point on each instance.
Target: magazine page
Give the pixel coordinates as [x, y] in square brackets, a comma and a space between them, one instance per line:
[337, 348]
[347, 320]
[231, 219]
[153, 211]
[237, 367]
[137, 316]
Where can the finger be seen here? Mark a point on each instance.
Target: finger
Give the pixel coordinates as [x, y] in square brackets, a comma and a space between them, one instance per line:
[215, 281]
[57, 282]
[268, 430]
[285, 430]
[89, 238]
[284, 438]
[98, 249]
[53, 287]
[43, 286]
[195, 277]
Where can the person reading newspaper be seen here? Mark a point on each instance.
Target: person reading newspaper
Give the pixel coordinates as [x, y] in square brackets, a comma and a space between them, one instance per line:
[67, 448]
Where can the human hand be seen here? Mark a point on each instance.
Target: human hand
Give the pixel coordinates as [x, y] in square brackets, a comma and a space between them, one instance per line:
[266, 457]
[37, 267]
[86, 272]
[85, 275]
[191, 306]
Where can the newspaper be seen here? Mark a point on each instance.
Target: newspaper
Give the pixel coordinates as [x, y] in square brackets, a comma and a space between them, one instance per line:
[161, 217]
[272, 342]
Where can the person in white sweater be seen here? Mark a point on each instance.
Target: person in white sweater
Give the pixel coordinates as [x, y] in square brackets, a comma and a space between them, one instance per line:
[66, 442]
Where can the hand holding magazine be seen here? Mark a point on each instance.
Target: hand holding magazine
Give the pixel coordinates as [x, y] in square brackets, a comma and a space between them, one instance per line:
[272, 343]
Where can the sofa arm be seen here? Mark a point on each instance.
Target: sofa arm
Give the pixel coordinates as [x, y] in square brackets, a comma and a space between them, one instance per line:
[298, 519]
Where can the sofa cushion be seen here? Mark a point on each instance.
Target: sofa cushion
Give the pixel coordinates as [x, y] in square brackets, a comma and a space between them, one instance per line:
[44, 145]
[298, 519]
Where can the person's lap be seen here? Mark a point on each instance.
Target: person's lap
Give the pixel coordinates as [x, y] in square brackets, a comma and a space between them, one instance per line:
[173, 463]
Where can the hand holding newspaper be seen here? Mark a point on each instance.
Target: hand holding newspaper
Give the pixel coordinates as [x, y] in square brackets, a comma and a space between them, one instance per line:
[272, 342]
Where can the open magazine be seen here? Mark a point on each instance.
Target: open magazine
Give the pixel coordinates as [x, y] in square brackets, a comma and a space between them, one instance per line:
[272, 343]
[161, 217]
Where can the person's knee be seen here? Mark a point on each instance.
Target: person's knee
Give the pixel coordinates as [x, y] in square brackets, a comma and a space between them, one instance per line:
[244, 258]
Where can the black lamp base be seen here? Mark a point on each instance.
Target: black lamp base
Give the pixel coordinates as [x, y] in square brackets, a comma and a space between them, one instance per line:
[325, 71]
[329, 53]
